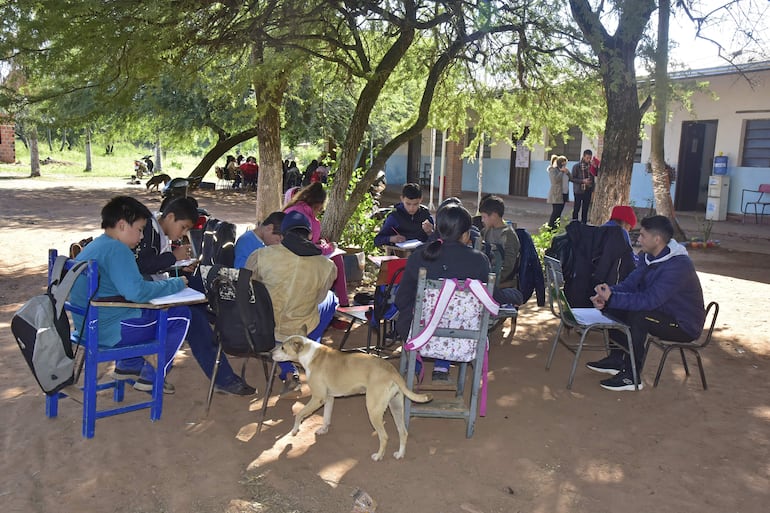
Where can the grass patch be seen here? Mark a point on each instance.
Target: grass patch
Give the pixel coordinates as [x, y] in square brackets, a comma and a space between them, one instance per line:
[70, 164]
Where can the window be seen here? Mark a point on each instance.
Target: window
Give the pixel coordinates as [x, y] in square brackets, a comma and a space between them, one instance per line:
[571, 148]
[756, 143]
[439, 142]
[487, 148]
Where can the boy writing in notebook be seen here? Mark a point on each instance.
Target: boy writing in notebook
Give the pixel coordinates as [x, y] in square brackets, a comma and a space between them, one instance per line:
[123, 221]
[154, 255]
[409, 219]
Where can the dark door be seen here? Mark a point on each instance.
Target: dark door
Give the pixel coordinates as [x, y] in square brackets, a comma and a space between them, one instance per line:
[690, 162]
[518, 177]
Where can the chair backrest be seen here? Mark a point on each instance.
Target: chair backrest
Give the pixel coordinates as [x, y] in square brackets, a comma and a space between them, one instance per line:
[764, 188]
[218, 245]
[388, 279]
[713, 310]
[555, 282]
[461, 328]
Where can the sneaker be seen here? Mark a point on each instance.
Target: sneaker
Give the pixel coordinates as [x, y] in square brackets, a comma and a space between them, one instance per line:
[291, 384]
[605, 366]
[237, 387]
[145, 385]
[620, 382]
[124, 374]
[440, 375]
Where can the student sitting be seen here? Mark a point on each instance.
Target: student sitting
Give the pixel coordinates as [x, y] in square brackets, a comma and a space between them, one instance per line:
[298, 278]
[154, 256]
[409, 219]
[503, 241]
[266, 234]
[123, 220]
[450, 256]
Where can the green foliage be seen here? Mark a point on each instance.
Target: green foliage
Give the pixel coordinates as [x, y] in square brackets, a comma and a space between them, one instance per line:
[361, 228]
[544, 236]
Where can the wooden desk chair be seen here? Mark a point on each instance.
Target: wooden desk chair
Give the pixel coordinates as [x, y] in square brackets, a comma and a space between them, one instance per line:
[94, 354]
[460, 335]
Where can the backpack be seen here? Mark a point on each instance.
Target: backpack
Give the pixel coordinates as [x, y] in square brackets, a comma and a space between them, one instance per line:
[42, 330]
[218, 244]
[245, 324]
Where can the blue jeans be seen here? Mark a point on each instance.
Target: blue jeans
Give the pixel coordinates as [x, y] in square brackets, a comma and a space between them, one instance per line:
[142, 329]
[326, 309]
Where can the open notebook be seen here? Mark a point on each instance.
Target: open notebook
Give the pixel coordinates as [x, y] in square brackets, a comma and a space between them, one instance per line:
[186, 294]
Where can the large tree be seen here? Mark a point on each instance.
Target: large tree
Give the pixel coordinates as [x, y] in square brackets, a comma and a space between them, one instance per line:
[616, 55]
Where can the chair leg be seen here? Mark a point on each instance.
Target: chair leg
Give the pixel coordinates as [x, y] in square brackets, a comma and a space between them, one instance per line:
[411, 358]
[89, 397]
[684, 362]
[578, 350]
[553, 346]
[660, 366]
[474, 402]
[266, 399]
[461, 372]
[700, 367]
[213, 378]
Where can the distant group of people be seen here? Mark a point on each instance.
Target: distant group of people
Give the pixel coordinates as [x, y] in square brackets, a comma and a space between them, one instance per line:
[582, 177]
[242, 171]
[315, 172]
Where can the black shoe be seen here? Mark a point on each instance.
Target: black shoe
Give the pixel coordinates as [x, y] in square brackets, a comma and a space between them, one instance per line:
[621, 382]
[606, 366]
[237, 387]
[291, 384]
[440, 376]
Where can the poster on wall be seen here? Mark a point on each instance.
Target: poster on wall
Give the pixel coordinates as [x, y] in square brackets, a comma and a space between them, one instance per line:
[522, 154]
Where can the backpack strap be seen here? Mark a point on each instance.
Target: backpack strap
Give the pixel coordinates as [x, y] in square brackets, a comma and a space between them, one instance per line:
[242, 301]
[61, 289]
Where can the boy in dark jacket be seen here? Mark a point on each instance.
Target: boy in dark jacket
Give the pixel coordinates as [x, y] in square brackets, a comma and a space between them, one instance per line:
[662, 297]
[154, 255]
[410, 220]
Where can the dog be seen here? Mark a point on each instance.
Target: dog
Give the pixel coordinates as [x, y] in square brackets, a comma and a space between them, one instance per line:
[155, 181]
[331, 373]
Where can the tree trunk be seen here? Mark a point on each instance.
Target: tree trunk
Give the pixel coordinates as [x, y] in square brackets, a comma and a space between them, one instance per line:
[88, 150]
[63, 139]
[34, 154]
[661, 179]
[270, 185]
[616, 55]
[158, 158]
[220, 148]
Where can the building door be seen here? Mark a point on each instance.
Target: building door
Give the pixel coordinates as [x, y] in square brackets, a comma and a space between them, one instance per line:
[696, 149]
[518, 173]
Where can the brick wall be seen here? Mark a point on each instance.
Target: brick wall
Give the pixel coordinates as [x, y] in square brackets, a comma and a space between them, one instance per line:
[7, 146]
[454, 169]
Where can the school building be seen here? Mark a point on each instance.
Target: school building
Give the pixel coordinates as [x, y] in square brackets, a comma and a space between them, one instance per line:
[731, 119]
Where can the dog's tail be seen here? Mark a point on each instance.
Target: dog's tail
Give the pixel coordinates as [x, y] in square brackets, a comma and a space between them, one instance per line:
[418, 398]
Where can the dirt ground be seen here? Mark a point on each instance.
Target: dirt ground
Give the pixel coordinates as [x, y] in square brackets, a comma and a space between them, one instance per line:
[541, 448]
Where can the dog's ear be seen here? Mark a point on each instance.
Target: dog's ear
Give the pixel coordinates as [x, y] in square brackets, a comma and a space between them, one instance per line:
[296, 343]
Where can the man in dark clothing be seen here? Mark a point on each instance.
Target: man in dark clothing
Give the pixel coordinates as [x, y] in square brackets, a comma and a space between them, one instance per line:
[409, 220]
[582, 186]
[662, 297]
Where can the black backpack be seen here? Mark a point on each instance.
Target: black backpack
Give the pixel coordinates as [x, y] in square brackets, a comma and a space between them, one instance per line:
[42, 330]
[218, 245]
[244, 324]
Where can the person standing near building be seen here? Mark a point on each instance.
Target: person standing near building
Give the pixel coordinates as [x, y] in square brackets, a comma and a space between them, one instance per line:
[558, 194]
[583, 185]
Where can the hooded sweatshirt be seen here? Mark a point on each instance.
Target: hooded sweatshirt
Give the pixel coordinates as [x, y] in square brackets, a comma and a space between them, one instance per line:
[666, 283]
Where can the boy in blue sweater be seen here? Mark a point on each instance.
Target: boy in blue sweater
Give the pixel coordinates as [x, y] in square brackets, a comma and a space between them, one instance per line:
[409, 219]
[123, 220]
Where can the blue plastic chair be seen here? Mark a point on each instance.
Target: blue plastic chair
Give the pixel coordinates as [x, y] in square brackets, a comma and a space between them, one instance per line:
[95, 354]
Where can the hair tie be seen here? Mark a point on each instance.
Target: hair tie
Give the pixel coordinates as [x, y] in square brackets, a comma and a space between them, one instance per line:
[440, 240]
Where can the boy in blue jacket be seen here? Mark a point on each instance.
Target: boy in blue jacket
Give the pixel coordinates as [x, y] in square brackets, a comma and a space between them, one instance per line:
[409, 219]
[662, 297]
[154, 255]
[123, 220]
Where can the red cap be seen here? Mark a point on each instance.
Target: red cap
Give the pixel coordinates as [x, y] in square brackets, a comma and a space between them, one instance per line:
[624, 213]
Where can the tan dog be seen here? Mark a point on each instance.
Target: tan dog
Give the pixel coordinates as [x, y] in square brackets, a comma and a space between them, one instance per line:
[331, 373]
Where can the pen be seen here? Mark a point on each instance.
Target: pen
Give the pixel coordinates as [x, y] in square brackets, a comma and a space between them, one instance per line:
[395, 231]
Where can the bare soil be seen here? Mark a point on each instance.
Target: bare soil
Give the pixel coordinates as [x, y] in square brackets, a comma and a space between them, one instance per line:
[541, 448]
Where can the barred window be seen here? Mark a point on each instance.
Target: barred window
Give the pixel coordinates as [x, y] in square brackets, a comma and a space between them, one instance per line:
[756, 143]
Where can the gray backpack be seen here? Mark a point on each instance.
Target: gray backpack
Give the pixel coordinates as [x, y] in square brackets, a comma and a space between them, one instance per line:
[42, 330]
